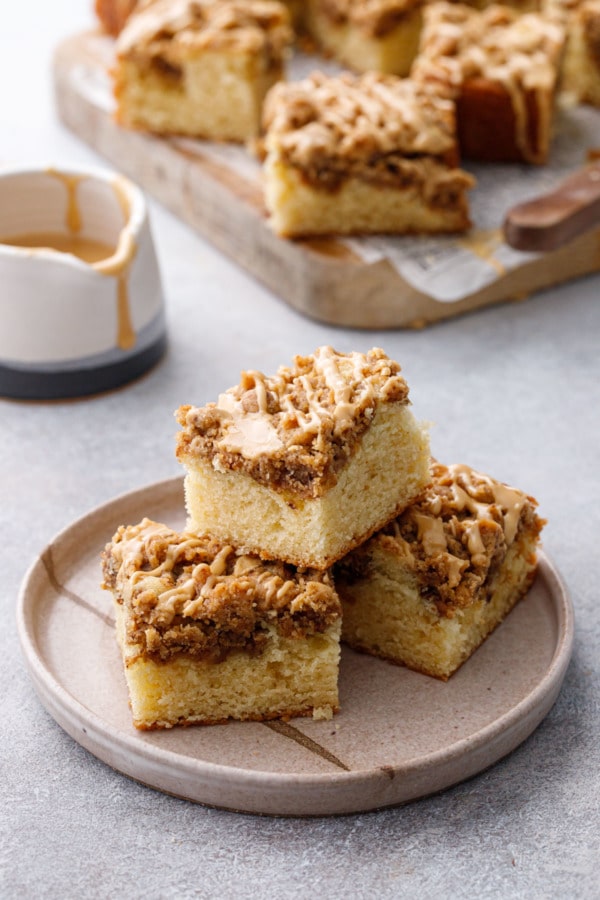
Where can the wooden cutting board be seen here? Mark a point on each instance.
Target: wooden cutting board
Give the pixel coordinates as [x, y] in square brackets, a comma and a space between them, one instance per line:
[322, 278]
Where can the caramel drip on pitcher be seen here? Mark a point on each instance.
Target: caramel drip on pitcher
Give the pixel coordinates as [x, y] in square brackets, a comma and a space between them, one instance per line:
[116, 265]
[126, 333]
[73, 213]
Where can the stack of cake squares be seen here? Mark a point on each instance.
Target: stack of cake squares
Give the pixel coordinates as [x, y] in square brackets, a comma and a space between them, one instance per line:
[314, 512]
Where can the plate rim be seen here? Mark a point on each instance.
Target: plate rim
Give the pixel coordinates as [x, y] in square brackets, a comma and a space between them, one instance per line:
[71, 710]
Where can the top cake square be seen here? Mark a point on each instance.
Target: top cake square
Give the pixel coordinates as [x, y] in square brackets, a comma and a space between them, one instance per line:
[304, 465]
[502, 69]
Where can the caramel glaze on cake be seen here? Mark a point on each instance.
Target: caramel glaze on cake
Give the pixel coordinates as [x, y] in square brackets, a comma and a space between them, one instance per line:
[378, 128]
[501, 67]
[294, 431]
[192, 596]
[455, 537]
[460, 531]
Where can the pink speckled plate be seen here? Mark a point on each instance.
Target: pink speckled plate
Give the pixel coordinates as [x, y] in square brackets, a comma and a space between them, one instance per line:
[399, 735]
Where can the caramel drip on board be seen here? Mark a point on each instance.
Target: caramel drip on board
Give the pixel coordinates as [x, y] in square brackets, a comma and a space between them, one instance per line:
[484, 244]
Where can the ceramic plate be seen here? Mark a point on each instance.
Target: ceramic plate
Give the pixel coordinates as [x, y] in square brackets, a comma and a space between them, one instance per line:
[399, 736]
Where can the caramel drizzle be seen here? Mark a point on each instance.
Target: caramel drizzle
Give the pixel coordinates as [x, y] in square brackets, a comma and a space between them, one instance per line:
[188, 595]
[484, 244]
[118, 266]
[348, 392]
[509, 500]
[357, 117]
[430, 527]
[235, 24]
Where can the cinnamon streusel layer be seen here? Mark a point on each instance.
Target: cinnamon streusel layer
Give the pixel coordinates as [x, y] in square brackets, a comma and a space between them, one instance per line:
[177, 29]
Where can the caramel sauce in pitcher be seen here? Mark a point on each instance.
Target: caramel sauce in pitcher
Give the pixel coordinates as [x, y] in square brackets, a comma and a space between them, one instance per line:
[83, 248]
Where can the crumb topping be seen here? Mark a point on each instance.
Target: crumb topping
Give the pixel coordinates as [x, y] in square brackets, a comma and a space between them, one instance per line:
[323, 120]
[172, 30]
[455, 537]
[459, 43]
[295, 430]
[375, 17]
[377, 128]
[192, 595]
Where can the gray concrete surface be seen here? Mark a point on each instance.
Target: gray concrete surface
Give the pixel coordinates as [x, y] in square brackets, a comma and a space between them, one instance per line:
[513, 390]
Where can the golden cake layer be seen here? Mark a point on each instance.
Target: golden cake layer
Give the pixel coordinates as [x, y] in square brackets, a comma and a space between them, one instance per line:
[307, 463]
[362, 153]
[209, 633]
[428, 589]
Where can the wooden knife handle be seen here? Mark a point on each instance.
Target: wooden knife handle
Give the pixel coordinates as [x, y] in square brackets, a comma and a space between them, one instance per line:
[554, 219]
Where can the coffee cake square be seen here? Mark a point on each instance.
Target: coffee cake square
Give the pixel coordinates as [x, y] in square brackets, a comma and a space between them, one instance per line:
[502, 69]
[362, 154]
[307, 463]
[208, 633]
[430, 587]
[200, 68]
